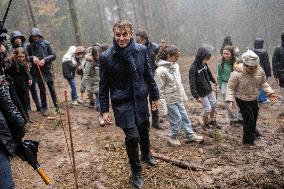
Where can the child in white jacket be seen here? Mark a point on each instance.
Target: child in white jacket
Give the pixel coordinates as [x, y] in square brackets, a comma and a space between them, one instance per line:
[168, 79]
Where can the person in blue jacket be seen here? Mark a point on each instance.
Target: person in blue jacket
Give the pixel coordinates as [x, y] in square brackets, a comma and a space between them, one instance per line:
[126, 77]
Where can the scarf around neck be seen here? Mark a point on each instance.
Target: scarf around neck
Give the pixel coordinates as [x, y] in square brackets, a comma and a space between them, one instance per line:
[127, 54]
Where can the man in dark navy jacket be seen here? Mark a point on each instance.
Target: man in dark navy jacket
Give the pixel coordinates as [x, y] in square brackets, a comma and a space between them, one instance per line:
[125, 76]
[152, 50]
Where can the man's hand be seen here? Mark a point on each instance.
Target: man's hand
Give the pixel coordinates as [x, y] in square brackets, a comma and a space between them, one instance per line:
[41, 62]
[30, 82]
[107, 118]
[35, 60]
[155, 105]
[277, 81]
[232, 107]
[273, 97]
[199, 100]
[2, 48]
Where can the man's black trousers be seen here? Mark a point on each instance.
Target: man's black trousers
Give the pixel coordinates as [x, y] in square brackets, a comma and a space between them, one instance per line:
[133, 137]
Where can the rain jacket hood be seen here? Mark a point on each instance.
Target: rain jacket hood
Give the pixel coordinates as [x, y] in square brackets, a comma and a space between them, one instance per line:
[35, 31]
[15, 34]
[258, 43]
[202, 53]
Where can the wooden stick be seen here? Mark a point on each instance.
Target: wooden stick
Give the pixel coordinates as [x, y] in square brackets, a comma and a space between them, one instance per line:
[179, 163]
[71, 141]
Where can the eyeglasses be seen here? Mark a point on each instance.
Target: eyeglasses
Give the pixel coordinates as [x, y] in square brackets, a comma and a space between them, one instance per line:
[20, 56]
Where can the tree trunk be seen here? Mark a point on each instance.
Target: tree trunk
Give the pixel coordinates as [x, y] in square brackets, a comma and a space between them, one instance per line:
[146, 15]
[134, 4]
[118, 10]
[32, 13]
[75, 22]
[168, 24]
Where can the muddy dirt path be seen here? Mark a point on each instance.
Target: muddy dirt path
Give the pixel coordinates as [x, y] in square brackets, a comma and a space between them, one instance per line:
[102, 161]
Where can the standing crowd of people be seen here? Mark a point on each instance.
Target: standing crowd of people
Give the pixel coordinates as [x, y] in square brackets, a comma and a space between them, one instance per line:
[130, 74]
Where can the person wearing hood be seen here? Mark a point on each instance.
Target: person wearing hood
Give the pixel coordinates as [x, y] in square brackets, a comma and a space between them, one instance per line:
[242, 86]
[228, 42]
[200, 77]
[41, 70]
[69, 65]
[152, 50]
[168, 79]
[264, 63]
[17, 39]
[278, 66]
[126, 78]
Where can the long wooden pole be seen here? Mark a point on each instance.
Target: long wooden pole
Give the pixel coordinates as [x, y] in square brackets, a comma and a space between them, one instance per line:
[71, 141]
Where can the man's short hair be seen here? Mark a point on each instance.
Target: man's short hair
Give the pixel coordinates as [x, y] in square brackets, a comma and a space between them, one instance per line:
[142, 33]
[122, 24]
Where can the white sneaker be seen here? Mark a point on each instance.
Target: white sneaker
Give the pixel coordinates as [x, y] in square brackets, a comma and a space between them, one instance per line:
[80, 101]
[174, 142]
[101, 121]
[75, 102]
[194, 138]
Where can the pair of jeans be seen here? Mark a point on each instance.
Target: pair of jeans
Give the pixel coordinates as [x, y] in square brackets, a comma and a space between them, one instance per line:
[208, 103]
[6, 179]
[133, 136]
[72, 83]
[42, 90]
[249, 111]
[179, 119]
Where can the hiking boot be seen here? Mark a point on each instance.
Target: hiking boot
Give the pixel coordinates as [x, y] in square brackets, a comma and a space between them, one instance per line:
[174, 142]
[38, 109]
[45, 112]
[79, 101]
[257, 134]
[194, 138]
[235, 123]
[150, 160]
[101, 121]
[137, 180]
[75, 103]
